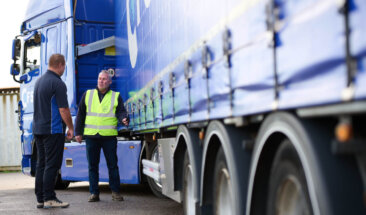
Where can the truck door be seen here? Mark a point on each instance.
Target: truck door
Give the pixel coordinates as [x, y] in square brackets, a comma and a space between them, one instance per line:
[35, 49]
[30, 67]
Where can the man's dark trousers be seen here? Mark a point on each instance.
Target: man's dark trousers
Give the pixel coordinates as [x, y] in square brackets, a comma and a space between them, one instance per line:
[50, 149]
[109, 145]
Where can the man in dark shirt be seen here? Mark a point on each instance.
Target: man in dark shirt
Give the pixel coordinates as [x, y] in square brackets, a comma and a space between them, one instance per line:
[99, 111]
[51, 113]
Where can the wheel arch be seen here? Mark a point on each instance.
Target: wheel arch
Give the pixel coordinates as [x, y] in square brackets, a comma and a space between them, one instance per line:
[230, 139]
[275, 128]
[187, 140]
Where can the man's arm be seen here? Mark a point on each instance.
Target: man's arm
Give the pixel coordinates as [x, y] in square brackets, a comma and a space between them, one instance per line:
[80, 119]
[121, 112]
[66, 117]
[62, 103]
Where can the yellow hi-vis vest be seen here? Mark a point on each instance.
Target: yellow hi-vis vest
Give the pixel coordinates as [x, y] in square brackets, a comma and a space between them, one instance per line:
[101, 117]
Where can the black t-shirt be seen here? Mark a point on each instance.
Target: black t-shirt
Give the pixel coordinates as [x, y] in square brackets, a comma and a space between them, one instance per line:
[49, 95]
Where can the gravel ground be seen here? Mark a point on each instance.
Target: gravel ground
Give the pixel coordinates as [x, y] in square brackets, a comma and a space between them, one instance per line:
[17, 197]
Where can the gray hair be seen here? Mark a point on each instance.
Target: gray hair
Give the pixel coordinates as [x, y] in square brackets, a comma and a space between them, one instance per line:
[106, 72]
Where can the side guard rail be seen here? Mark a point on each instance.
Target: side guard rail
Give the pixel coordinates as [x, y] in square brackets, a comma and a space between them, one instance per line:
[151, 169]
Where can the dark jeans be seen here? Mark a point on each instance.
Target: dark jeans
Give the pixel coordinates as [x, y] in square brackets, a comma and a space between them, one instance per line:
[93, 146]
[50, 149]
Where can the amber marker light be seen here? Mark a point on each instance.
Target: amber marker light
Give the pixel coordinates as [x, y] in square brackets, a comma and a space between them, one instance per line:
[132, 147]
[65, 148]
[154, 137]
[344, 132]
[201, 135]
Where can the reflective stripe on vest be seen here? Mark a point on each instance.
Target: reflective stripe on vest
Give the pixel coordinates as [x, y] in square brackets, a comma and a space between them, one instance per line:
[101, 116]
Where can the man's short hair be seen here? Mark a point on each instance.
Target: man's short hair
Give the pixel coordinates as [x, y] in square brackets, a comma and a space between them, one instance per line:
[105, 72]
[55, 60]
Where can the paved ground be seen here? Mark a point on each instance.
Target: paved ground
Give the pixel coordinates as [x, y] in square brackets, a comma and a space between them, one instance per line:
[17, 197]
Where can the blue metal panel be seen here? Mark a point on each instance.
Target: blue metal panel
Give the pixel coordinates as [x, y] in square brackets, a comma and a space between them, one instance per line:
[310, 50]
[26, 141]
[26, 95]
[158, 117]
[37, 7]
[358, 44]
[199, 93]
[128, 153]
[159, 43]
[181, 98]
[133, 116]
[252, 72]
[63, 44]
[95, 10]
[67, 48]
[167, 102]
[311, 53]
[149, 110]
[253, 80]
[28, 134]
[42, 12]
[128, 161]
[26, 165]
[89, 65]
[79, 171]
[142, 116]
[219, 80]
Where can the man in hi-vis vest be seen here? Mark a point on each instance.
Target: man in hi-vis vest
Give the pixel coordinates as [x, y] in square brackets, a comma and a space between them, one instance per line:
[99, 111]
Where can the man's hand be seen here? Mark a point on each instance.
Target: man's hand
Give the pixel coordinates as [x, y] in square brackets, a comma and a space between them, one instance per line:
[66, 117]
[79, 138]
[70, 134]
[125, 121]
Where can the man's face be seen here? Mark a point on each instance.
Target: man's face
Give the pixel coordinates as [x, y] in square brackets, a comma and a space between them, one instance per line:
[103, 81]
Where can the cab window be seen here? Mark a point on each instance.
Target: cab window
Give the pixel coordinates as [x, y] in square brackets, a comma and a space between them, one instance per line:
[32, 53]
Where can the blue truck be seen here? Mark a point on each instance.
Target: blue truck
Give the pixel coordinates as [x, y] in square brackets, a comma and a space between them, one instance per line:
[236, 107]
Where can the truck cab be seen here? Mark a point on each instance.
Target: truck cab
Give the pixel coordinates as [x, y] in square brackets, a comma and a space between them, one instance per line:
[48, 28]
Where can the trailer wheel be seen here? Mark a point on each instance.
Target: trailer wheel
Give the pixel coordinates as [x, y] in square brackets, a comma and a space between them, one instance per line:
[155, 185]
[288, 192]
[222, 186]
[61, 184]
[188, 187]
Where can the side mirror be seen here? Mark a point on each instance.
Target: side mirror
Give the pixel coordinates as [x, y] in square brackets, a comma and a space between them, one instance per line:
[16, 49]
[14, 69]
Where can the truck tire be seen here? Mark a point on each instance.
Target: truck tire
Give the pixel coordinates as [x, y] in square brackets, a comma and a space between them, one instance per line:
[188, 199]
[288, 192]
[222, 186]
[61, 184]
[331, 182]
[154, 185]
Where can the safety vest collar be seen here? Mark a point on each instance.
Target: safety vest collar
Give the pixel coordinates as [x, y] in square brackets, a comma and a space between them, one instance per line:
[90, 102]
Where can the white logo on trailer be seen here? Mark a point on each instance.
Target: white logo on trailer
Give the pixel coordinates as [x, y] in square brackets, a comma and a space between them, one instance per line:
[132, 37]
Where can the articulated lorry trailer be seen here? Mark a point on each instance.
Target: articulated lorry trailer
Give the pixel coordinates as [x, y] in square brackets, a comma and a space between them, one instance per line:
[236, 107]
